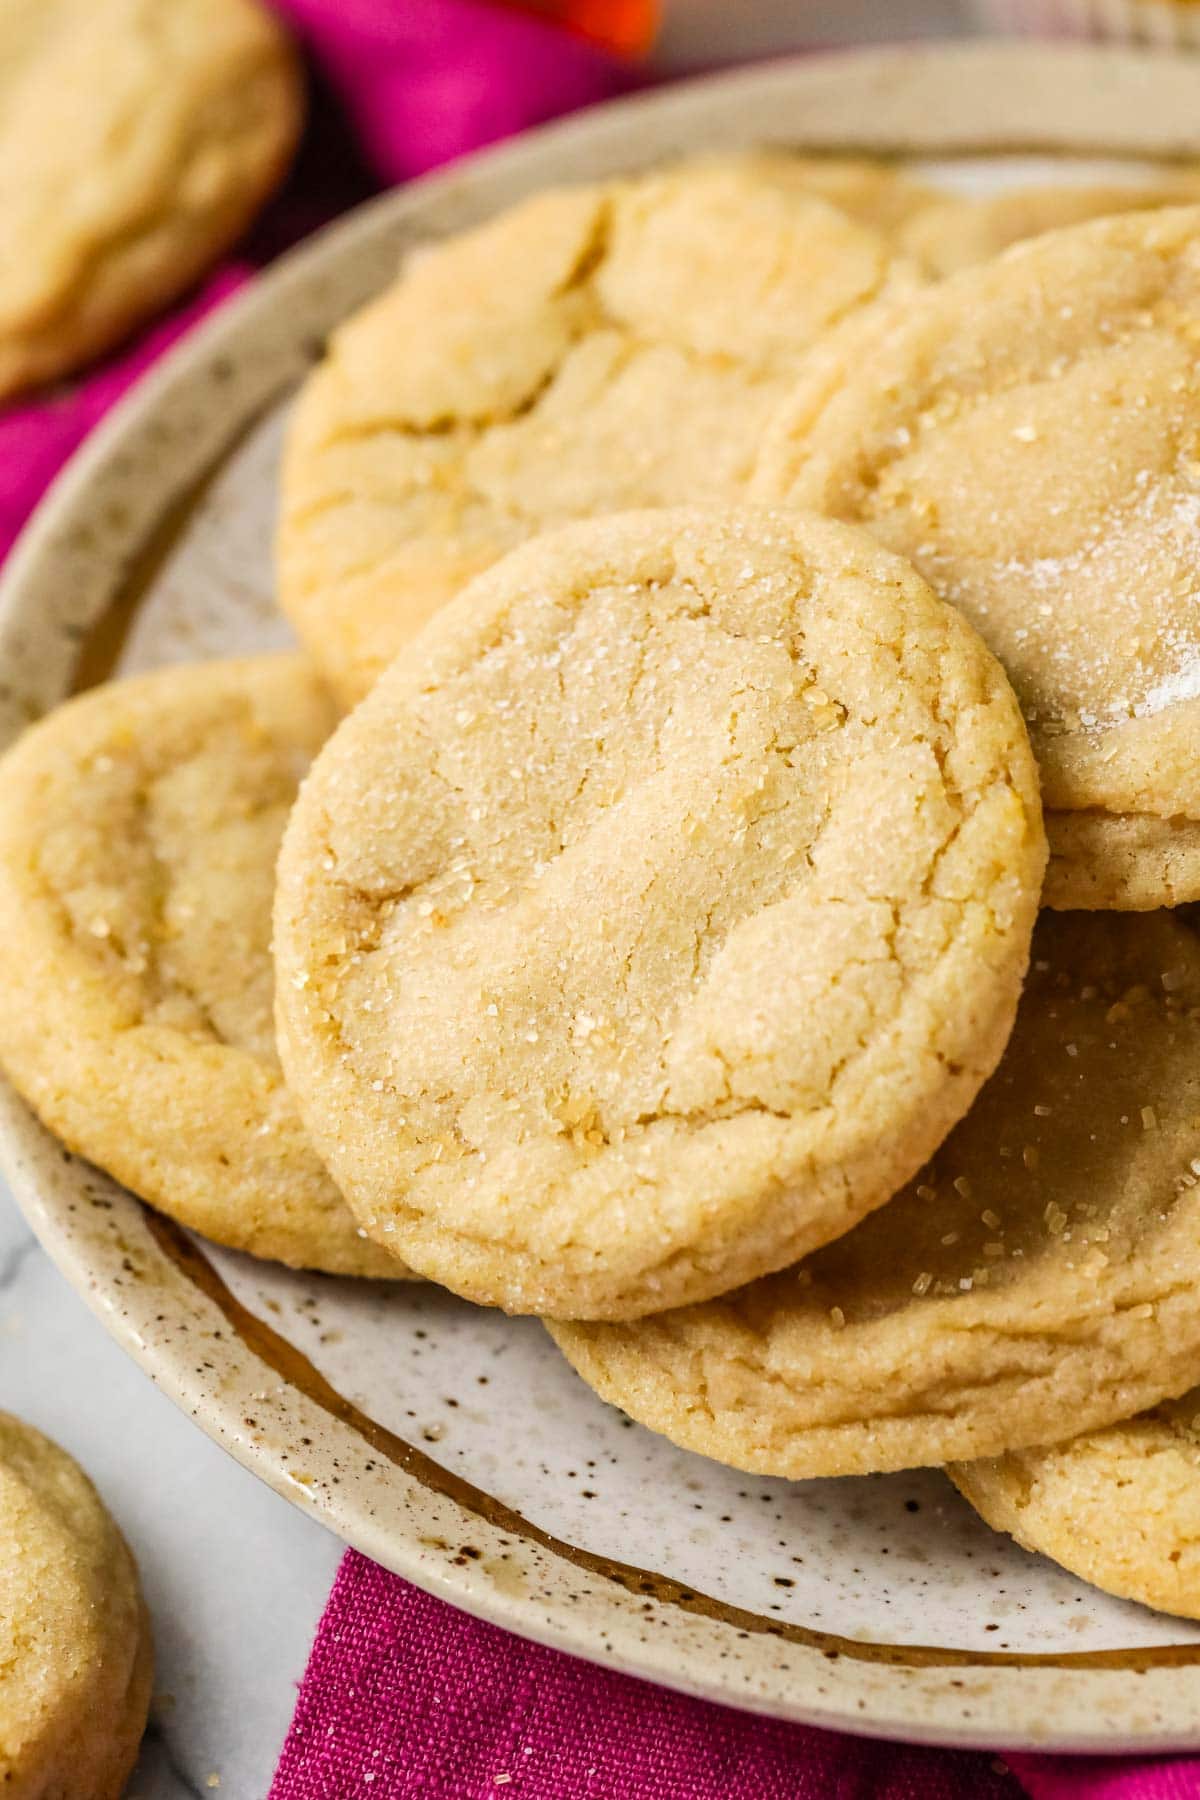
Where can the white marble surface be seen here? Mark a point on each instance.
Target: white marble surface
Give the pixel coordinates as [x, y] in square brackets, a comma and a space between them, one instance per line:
[234, 1576]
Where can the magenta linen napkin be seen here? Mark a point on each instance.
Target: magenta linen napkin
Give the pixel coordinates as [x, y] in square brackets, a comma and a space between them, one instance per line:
[426, 80]
[36, 438]
[404, 1695]
[422, 81]
[1107, 1778]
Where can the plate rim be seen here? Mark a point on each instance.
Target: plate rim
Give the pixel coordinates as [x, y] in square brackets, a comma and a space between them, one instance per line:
[79, 560]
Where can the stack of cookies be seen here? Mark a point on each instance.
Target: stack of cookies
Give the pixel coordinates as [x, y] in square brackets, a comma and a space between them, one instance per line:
[754, 592]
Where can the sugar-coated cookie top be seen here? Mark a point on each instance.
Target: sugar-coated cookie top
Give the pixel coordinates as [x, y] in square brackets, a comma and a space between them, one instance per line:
[138, 831]
[593, 348]
[1029, 434]
[658, 912]
[1040, 1275]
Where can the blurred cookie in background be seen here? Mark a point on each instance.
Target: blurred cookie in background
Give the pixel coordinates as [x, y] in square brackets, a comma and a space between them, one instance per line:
[592, 349]
[956, 230]
[1164, 24]
[1025, 432]
[138, 138]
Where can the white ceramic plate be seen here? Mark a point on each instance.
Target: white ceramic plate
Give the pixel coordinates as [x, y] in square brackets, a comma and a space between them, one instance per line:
[452, 1444]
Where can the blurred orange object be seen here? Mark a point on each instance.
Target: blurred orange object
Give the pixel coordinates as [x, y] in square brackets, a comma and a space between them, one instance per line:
[627, 26]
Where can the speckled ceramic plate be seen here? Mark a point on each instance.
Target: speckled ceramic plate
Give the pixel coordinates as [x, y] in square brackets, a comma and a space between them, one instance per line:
[452, 1444]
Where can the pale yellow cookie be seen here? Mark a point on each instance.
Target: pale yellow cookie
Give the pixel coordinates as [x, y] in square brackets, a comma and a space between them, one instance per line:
[138, 138]
[874, 192]
[593, 348]
[655, 917]
[954, 230]
[1040, 1276]
[1119, 1507]
[1029, 433]
[138, 831]
[76, 1657]
[943, 232]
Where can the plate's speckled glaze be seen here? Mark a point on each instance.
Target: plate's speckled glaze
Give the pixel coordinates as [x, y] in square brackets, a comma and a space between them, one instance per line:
[455, 1445]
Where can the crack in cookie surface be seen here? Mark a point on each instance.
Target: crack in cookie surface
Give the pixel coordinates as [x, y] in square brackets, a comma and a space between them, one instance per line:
[593, 349]
[1038, 462]
[595, 961]
[1038, 1273]
[138, 832]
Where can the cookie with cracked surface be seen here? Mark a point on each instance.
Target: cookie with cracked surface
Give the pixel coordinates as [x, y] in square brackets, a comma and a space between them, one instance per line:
[953, 231]
[593, 349]
[1119, 1507]
[656, 916]
[1039, 1276]
[1027, 432]
[138, 138]
[138, 831]
[76, 1656]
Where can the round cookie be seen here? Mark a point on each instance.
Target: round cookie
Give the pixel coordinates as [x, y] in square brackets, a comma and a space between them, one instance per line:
[76, 1657]
[139, 826]
[1119, 1507]
[593, 349]
[1028, 432]
[654, 918]
[137, 140]
[1038, 1277]
[954, 231]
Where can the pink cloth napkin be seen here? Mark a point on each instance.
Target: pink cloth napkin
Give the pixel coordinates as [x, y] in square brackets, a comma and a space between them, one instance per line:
[426, 80]
[404, 1695]
[37, 437]
[417, 83]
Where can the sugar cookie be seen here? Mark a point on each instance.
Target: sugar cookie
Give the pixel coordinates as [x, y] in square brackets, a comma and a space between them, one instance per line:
[658, 914]
[1028, 432]
[594, 348]
[1042, 1275]
[138, 832]
[137, 140]
[76, 1658]
[1119, 1507]
[956, 230]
